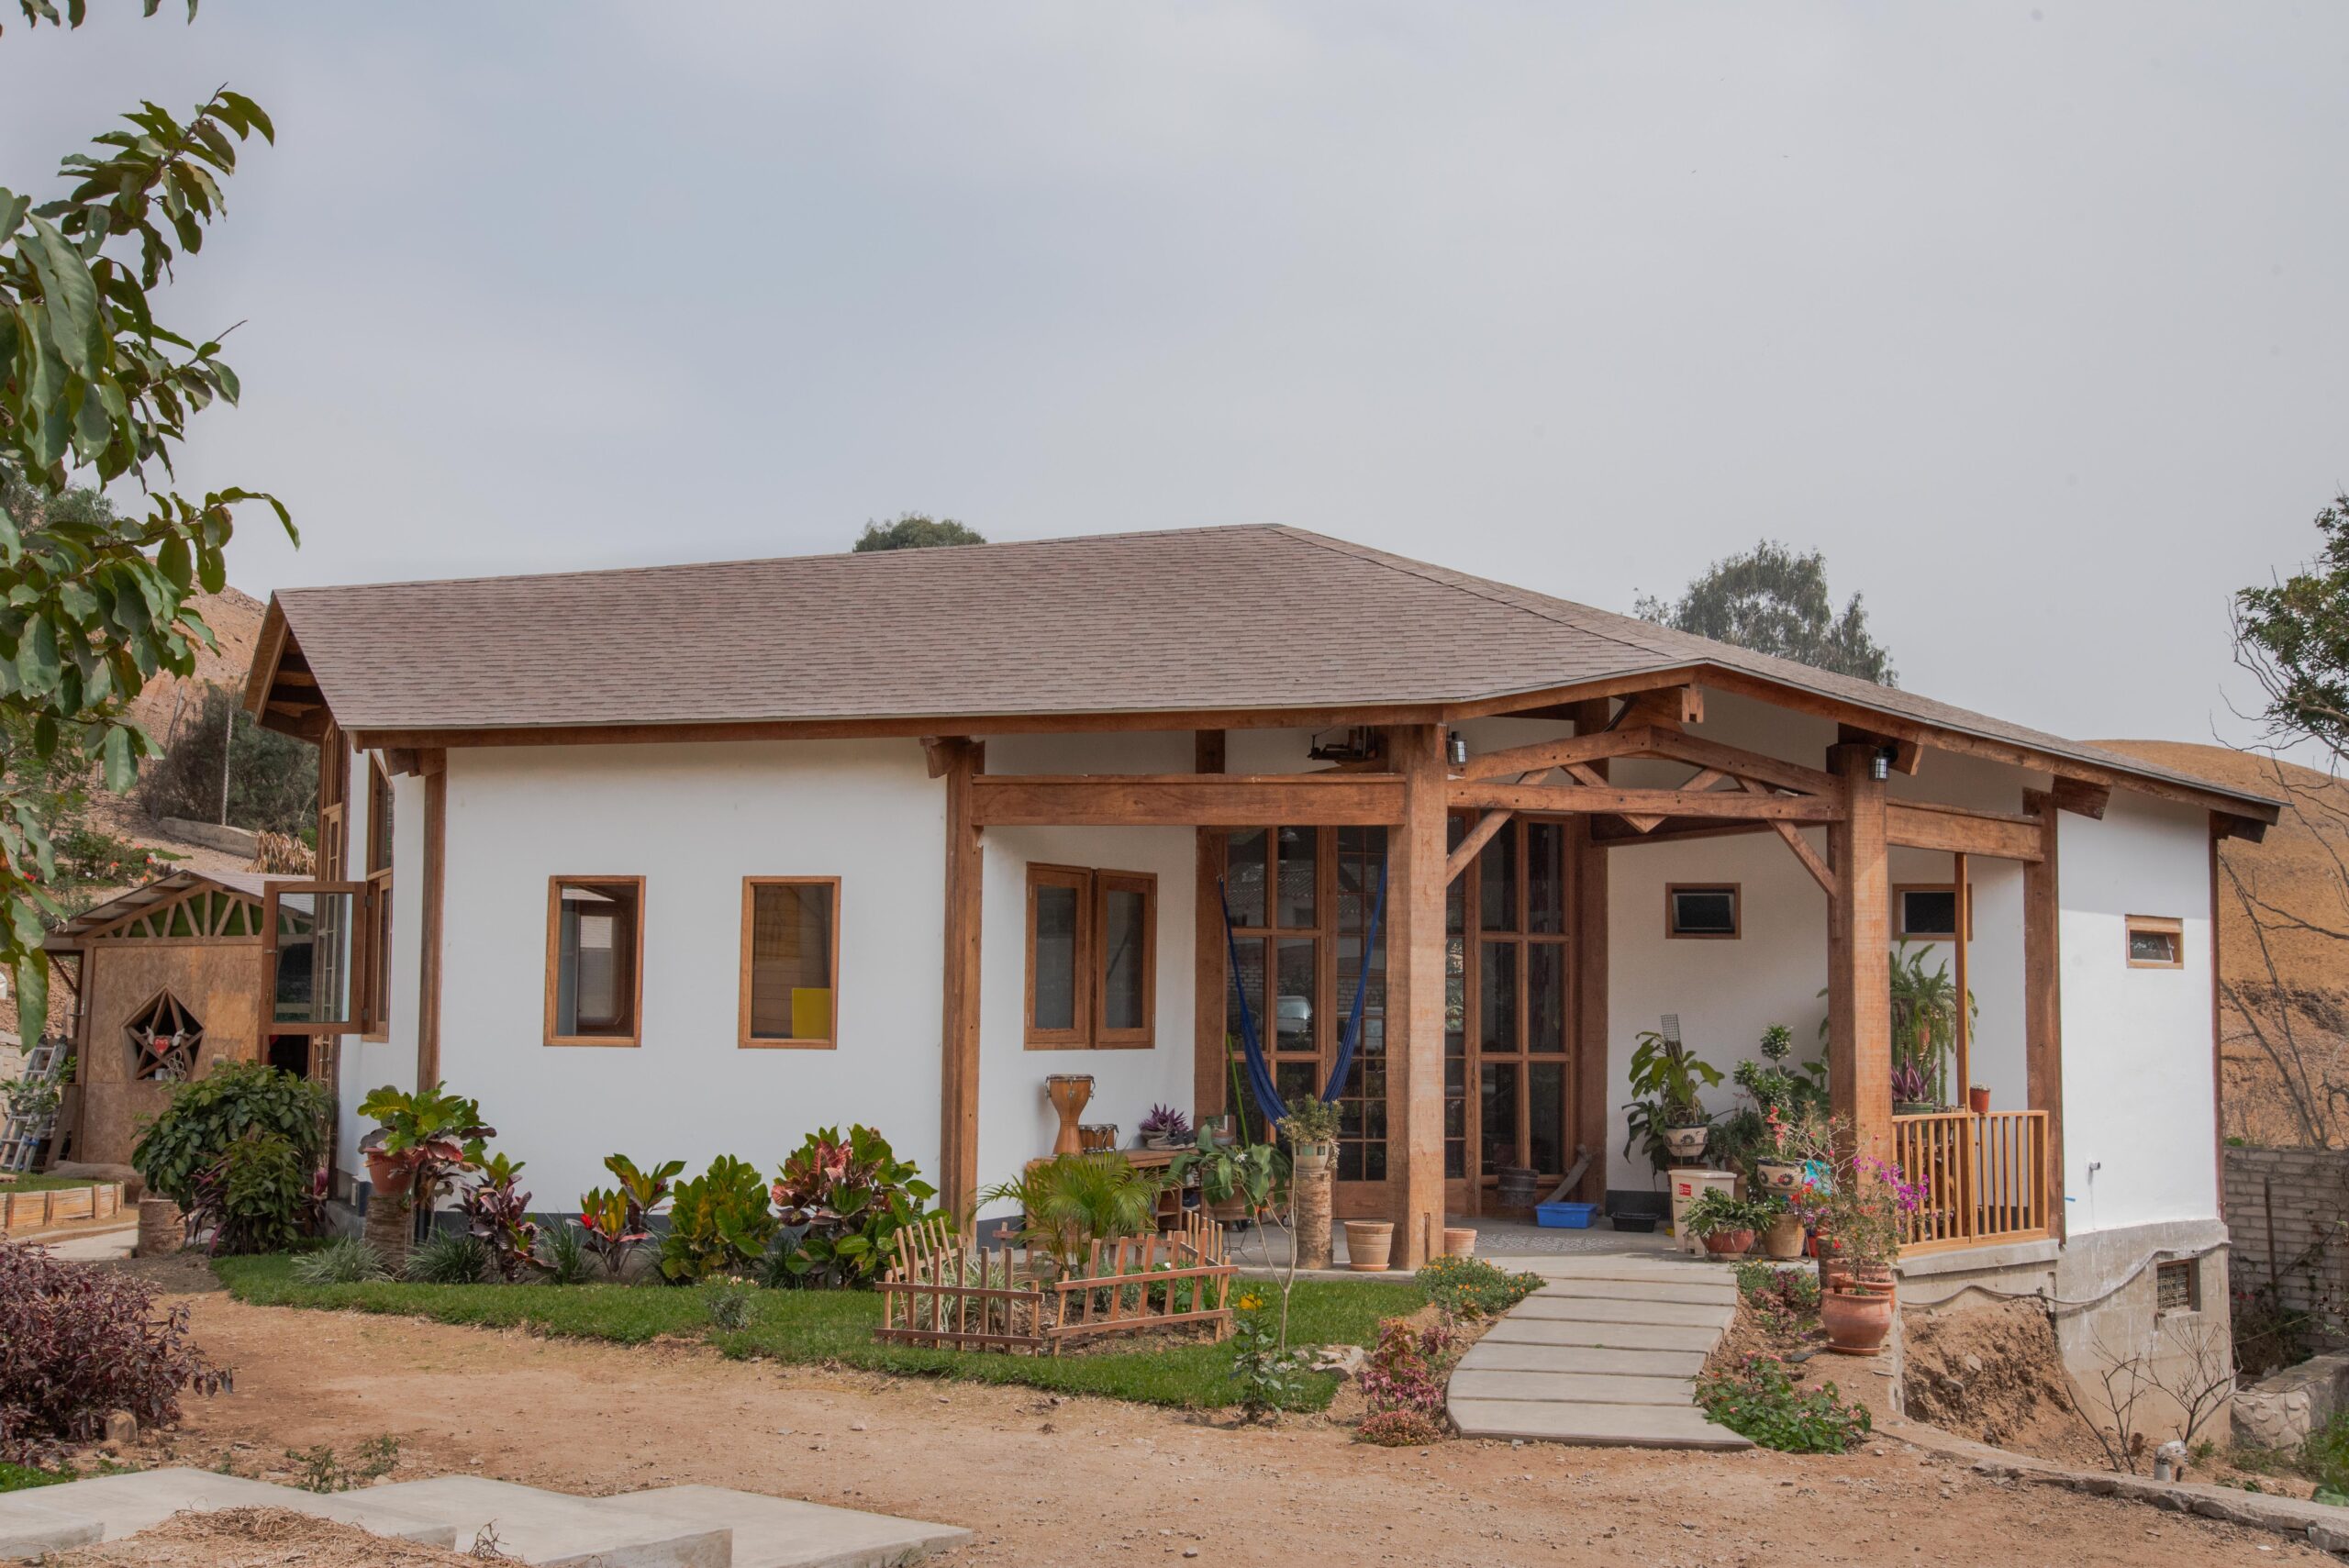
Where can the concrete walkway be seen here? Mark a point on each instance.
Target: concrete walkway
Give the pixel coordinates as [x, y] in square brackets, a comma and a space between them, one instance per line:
[1605, 1353]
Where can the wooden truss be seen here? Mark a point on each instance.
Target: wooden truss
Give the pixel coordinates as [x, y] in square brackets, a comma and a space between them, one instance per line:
[199, 913]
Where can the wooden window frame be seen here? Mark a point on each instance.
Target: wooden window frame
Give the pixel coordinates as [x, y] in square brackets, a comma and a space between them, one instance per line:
[635, 1035]
[271, 898]
[745, 1039]
[2166, 925]
[375, 967]
[1900, 931]
[1105, 883]
[1736, 891]
[1089, 1032]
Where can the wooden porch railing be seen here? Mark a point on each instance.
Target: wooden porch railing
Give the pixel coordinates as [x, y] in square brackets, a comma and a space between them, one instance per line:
[1985, 1177]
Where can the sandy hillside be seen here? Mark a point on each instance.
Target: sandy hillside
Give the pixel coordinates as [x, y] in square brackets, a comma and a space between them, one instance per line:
[2295, 1036]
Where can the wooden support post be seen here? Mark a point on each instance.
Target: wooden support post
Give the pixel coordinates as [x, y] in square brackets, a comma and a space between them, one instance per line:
[2043, 995]
[1964, 1013]
[1415, 984]
[958, 1135]
[1859, 948]
[1588, 969]
[434, 765]
[1209, 961]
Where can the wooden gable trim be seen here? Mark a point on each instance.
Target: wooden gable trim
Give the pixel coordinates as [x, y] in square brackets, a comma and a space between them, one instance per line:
[218, 913]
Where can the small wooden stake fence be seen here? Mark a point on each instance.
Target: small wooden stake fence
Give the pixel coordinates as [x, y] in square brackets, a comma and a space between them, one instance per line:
[941, 1295]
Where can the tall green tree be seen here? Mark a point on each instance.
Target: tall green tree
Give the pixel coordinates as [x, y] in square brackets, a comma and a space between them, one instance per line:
[915, 531]
[1774, 601]
[95, 389]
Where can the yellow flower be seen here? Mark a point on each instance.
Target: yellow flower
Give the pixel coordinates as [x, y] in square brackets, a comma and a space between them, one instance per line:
[1250, 1301]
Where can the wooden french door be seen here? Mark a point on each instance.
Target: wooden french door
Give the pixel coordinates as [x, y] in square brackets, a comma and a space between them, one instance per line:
[1510, 1017]
[1301, 900]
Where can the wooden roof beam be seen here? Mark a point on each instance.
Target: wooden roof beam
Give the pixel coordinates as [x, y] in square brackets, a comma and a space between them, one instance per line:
[1185, 800]
[1582, 799]
[1634, 741]
[2082, 798]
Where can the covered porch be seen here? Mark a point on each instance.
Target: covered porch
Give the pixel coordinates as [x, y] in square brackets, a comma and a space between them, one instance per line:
[1487, 1036]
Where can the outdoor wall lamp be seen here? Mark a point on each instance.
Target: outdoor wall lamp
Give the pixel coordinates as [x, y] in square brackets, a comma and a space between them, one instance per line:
[1455, 749]
[1880, 765]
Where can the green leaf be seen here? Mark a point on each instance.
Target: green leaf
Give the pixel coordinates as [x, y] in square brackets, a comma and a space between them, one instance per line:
[32, 991]
[122, 768]
[36, 655]
[174, 559]
[74, 327]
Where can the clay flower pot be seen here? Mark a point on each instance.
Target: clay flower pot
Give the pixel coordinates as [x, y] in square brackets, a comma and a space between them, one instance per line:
[1777, 1175]
[1857, 1319]
[1459, 1241]
[1977, 1100]
[1784, 1239]
[1369, 1243]
[392, 1177]
[1730, 1243]
[1686, 1142]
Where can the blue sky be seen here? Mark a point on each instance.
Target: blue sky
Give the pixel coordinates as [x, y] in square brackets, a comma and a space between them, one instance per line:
[2029, 316]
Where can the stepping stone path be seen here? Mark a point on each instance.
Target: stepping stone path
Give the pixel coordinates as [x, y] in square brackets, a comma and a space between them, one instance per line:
[670, 1527]
[1605, 1353]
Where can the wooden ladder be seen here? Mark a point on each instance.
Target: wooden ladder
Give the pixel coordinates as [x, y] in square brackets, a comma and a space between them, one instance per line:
[21, 1136]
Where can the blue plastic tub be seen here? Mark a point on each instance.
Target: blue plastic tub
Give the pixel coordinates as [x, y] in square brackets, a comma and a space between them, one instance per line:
[1564, 1215]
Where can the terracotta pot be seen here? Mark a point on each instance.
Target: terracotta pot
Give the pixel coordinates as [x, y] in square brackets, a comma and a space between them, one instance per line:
[392, 1177]
[1369, 1243]
[1857, 1322]
[1977, 1100]
[1730, 1243]
[1784, 1239]
[1459, 1241]
[1777, 1175]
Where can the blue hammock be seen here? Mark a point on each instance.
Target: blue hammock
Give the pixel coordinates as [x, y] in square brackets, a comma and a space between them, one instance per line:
[1260, 1076]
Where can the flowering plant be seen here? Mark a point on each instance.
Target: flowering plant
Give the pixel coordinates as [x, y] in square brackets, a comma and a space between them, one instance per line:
[1859, 1205]
[1271, 1377]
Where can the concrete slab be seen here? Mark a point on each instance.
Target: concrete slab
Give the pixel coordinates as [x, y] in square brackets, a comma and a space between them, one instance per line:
[1622, 1268]
[1514, 1330]
[1571, 1387]
[28, 1531]
[124, 1505]
[1702, 1293]
[555, 1530]
[1490, 1355]
[1617, 1425]
[782, 1533]
[1600, 1310]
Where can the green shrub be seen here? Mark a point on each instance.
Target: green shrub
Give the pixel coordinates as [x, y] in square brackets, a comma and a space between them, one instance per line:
[449, 1257]
[843, 1202]
[719, 1223]
[1471, 1287]
[564, 1255]
[345, 1261]
[2324, 1453]
[193, 1133]
[260, 1197]
[728, 1303]
[1782, 1296]
[1759, 1400]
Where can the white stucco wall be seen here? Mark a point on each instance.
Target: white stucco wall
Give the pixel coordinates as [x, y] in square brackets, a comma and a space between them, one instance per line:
[2138, 1098]
[693, 820]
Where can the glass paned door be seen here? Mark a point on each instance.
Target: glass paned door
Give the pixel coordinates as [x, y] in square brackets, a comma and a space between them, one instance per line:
[1509, 1012]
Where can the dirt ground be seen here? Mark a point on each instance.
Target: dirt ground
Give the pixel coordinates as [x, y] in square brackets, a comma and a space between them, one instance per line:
[1044, 1480]
[258, 1538]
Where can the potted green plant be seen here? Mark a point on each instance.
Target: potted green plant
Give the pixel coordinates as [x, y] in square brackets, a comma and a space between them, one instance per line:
[421, 1141]
[1727, 1225]
[1860, 1207]
[1311, 1129]
[1667, 1114]
[1236, 1180]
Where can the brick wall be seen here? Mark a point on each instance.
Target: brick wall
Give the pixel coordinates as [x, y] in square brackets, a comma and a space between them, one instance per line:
[2288, 1210]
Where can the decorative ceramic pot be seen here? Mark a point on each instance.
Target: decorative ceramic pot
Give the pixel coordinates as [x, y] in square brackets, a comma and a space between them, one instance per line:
[1858, 1320]
[392, 1176]
[1307, 1157]
[1977, 1100]
[1778, 1175]
[1369, 1243]
[1686, 1142]
[1459, 1241]
[1730, 1243]
[1784, 1239]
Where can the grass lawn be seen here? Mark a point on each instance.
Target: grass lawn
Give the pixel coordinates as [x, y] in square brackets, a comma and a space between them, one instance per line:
[15, 1478]
[46, 1183]
[837, 1327]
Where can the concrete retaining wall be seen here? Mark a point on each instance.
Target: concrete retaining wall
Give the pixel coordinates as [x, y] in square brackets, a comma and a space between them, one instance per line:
[2287, 1212]
[213, 835]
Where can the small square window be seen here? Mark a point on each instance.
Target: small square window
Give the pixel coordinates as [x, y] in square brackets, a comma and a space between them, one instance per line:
[2176, 1287]
[594, 960]
[2155, 942]
[1702, 911]
[1926, 912]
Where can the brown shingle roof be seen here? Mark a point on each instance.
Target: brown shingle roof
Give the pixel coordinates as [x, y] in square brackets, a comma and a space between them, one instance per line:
[1256, 619]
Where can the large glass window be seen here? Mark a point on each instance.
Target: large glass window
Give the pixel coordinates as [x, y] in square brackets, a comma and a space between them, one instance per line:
[1508, 1010]
[594, 960]
[790, 951]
